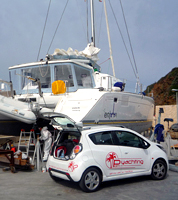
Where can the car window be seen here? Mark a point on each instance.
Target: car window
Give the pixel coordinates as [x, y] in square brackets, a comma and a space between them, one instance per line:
[102, 138]
[129, 139]
[174, 127]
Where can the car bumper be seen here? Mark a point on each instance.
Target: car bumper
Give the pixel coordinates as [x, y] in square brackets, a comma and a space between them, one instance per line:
[66, 169]
[60, 174]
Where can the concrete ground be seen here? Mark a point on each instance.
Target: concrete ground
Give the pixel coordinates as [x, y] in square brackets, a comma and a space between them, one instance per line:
[36, 185]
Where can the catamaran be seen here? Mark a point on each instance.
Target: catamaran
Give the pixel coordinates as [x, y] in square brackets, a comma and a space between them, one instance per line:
[71, 82]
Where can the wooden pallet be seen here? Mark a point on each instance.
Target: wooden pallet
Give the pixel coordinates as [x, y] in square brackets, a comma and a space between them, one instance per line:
[18, 161]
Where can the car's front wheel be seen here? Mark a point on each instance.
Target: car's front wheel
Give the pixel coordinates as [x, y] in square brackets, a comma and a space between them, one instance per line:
[91, 180]
[159, 170]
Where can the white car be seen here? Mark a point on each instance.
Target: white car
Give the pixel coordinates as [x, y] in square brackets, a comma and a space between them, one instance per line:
[91, 155]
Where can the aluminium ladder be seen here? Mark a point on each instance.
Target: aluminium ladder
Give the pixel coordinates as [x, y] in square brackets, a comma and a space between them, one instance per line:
[26, 140]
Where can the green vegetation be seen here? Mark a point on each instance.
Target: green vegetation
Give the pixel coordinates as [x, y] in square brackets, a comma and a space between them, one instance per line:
[162, 90]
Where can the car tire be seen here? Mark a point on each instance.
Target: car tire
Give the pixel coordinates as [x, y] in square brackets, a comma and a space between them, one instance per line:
[159, 170]
[91, 180]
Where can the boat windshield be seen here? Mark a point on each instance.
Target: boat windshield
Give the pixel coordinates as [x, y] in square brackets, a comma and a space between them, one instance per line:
[64, 72]
[83, 77]
[75, 77]
[42, 73]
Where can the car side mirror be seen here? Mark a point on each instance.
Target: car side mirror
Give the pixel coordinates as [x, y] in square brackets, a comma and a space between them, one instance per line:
[145, 145]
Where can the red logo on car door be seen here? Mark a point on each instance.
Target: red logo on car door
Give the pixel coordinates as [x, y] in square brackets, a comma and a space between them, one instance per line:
[112, 161]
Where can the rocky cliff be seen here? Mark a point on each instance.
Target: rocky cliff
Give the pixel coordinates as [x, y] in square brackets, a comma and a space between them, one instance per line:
[162, 90]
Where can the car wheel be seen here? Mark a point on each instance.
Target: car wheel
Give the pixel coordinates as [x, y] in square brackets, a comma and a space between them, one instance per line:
[159, 170]
[91, 180]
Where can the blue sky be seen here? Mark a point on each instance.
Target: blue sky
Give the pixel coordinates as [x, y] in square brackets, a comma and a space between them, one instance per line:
[152, 24]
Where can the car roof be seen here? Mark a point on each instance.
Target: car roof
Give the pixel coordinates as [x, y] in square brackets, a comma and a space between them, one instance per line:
[99, 128]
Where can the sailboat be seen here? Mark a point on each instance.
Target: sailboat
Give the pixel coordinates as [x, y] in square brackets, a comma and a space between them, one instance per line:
[71, 82]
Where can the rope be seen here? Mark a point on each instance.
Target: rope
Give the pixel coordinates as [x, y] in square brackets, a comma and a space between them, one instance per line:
[43, 30]
[123, 39]
[40, 66]
[129, 37]
[104, 61]
[81, 19]
[57, 26]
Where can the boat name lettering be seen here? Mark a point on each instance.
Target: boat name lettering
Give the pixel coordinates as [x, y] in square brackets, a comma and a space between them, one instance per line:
[110, 115]
[75, 107]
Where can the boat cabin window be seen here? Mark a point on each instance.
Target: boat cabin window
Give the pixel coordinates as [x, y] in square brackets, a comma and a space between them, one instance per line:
[43, 73]
[75, 77]
[83, 77]
[64, 73]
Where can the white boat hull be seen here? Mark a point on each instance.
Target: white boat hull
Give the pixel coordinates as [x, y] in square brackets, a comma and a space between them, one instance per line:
[90, 106]
[115, 108]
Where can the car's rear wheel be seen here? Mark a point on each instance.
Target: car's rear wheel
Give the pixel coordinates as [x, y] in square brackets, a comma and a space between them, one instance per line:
[91, 180]
[159, 170]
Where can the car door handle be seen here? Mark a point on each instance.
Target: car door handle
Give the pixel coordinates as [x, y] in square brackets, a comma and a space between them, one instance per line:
[126, 152]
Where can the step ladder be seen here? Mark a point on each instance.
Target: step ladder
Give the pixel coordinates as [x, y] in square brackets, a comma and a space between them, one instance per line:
[26, 140]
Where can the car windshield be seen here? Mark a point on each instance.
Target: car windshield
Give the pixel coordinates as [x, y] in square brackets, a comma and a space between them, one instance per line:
[63, 121]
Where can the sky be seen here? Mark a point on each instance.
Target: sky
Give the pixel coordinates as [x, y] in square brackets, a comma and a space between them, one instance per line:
[152, 26]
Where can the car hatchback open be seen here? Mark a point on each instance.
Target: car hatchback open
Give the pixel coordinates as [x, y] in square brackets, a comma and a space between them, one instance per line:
[90, 155]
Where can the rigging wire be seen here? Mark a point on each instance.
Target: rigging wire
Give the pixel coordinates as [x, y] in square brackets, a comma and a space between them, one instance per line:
[87, 21]
[57, 26]
[129, 38]
[102, 10]
[81, 18]
[123, 40]
[43, 30]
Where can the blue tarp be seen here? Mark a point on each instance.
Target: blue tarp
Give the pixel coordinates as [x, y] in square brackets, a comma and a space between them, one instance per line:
[120, 85]
[159, 128]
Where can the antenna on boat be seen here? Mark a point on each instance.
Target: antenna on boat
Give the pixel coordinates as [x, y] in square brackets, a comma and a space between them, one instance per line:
[109, 39]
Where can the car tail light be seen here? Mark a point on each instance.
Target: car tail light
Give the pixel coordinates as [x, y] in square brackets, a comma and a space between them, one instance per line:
[77, 149]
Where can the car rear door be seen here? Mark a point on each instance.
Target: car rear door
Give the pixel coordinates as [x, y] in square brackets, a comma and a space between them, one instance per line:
[105, 153]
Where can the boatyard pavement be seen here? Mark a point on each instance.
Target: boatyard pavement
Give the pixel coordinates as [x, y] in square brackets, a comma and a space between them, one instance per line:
[28, 185]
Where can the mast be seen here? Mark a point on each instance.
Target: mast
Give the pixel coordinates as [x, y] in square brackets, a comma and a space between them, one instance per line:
[109, 39]
[92, 22]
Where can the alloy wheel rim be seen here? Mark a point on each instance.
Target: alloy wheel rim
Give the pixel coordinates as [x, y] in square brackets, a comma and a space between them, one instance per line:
[92, 180]
[159, 170]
